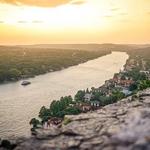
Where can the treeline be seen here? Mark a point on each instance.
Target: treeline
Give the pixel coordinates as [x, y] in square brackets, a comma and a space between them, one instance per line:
[138, 52]
[142, 55]
[18, 62]
[100, 97]
[59, 108]
[69, 106]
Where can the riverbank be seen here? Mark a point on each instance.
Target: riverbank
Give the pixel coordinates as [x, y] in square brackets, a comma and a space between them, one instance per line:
[18, 63]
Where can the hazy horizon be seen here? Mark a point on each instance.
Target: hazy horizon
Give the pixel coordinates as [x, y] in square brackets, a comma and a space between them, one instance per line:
[34, 44]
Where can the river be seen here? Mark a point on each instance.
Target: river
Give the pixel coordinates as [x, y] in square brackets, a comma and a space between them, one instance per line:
[19, 104]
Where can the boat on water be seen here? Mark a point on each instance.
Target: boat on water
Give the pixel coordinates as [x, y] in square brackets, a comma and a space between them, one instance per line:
[24, 83]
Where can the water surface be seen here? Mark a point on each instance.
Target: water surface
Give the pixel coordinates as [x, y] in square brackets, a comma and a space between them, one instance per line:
[19, 104]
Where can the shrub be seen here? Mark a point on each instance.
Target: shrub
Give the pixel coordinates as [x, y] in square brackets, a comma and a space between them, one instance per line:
[66, 121]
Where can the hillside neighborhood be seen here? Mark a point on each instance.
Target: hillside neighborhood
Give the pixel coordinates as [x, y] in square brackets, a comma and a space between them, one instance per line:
[124, 83]
[133, 78]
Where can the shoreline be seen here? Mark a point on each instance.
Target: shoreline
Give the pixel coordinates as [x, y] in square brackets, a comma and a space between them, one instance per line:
[52, 71]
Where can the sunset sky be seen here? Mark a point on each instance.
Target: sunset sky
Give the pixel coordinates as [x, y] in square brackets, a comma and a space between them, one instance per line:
[74, 21]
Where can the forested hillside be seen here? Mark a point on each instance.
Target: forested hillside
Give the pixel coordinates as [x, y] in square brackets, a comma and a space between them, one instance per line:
[20, 62]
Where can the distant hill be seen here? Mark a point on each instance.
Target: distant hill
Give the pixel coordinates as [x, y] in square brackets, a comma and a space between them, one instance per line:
[93, 46]
[131, 49]
[65, 46]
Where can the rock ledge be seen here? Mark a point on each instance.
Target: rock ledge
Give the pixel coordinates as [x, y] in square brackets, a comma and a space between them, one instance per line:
[123, 125]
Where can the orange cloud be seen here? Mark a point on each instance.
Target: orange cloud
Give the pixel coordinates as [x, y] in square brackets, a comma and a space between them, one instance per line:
[78, 2]
[40, 3]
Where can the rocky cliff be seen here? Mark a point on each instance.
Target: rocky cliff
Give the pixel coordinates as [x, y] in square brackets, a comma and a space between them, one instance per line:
[123, 125]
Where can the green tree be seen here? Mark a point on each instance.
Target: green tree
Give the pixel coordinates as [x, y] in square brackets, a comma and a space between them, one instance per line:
[143, 84]
[104, 100]
[136, 74]
[34, 122]
[2, 76]
[117, 95]
[14, 74]
[72, 111]
[96, 96]
[80, 96]
[133, 87]
[44, 113]
[57, 108]
[87, 90]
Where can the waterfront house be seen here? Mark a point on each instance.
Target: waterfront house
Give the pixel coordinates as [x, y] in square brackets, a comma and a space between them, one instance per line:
[95, 103]
[104, 90]
[107, 83]
[86, 107]
[52, 122]
[145, 72]
[88, 97]
[122, 82]
[126, 92]
[55, 121]
[126, 83]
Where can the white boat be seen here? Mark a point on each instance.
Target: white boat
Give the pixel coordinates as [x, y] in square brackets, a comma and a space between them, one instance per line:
[25, 83]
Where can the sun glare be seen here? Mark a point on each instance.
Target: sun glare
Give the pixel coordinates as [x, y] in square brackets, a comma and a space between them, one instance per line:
[94, 20]
[66, 16]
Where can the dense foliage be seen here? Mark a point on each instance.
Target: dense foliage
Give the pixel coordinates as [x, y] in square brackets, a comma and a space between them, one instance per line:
[100, 97]
[19, 62]
[143, 84]
[67, 106]
[59, 109]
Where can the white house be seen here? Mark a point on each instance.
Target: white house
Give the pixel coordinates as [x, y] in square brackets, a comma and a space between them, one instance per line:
[95, 103]
[88, 96]
[126, 92]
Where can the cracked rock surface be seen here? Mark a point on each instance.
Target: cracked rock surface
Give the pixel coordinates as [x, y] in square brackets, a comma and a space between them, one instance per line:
[120, 126]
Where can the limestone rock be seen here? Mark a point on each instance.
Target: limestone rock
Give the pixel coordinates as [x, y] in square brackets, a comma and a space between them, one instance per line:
[120, 126]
